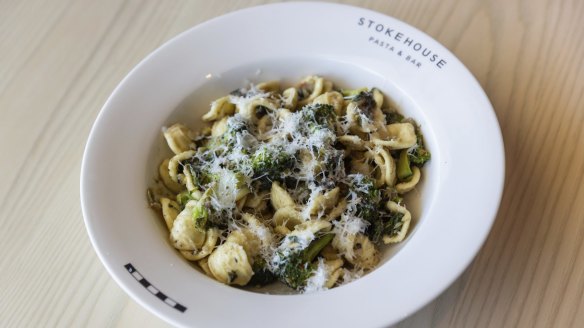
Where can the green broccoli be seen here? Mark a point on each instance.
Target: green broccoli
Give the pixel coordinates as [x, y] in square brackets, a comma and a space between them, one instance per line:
[268, 164]
[183, 198]
[200, 214]
[235, 127]
[369, 196]
[261, 274]
[404, 171]
[295, 269]
[205, 215]
[387, 223]
[318, 116]
[369, 207]
[419, 155]
[365, 102]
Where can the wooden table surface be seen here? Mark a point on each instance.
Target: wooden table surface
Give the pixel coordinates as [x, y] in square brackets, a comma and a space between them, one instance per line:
[60, 59]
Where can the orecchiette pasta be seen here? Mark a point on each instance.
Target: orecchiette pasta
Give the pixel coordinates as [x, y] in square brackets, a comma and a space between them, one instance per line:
[404, 223]
[185, 235]
[229, 264]
[287, 217]
[170, 210]
[334, 99]
[179, 138]
[219, 108]
[310, 88]
[174, 164]
[398, 136]
[302, 186]
[408, 186]
[280, 198]
[211, 238]
[386, 166]
[167, 181]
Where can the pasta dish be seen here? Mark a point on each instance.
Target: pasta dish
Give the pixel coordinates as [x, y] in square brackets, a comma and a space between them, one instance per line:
[300, 185]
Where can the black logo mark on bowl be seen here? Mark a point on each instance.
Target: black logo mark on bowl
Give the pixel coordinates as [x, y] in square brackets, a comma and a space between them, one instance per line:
[153, 290]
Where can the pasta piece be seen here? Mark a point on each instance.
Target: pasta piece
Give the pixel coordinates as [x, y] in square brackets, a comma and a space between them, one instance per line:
[311, 228]
[250, 242]
[264, 124]
[219, 108]
[230, 265]
[334, 270]
[248, 108]
[378, 119]
[407, 186]
[329, 253]
[167, 181]
[378, 97]
[366, 255]
[353, 142]
[327, 86]
[175, 162]
[288, 217]
[405, 222]
[189, 179]
[170, 210]
[280, 198]
[324, 276]
[386, 165]
[399, 136]
[282, 230]
[240, 204]
[290, 98]
[360, 164]
[204, 264]
[255, 201]
[314, 85]
[210, 243]
[334, 99]
[219, 127]
[184, 234]
[337, 210]
[242, 191]
[323, 202]
[270, 86]
[179, 138]
[259, 230]
[358, 121]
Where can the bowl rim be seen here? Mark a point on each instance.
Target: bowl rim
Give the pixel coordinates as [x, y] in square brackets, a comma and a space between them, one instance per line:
[453, 60]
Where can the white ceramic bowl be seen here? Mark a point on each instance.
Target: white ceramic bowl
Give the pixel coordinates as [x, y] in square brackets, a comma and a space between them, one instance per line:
[455, 206]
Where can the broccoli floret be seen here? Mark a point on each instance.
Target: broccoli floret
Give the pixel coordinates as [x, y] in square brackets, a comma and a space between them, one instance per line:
[261, 274]
[369, 207]
[200, 214]
[419, 155]
[388, 223]
[318, 116]
[268, 164]
[183, 198]
[365, 102]
[205, 215]
[369, 196]
[236, 126]
[295, 269]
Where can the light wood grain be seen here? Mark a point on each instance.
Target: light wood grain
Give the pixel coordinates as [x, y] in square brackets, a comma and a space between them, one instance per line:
[60, 59]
